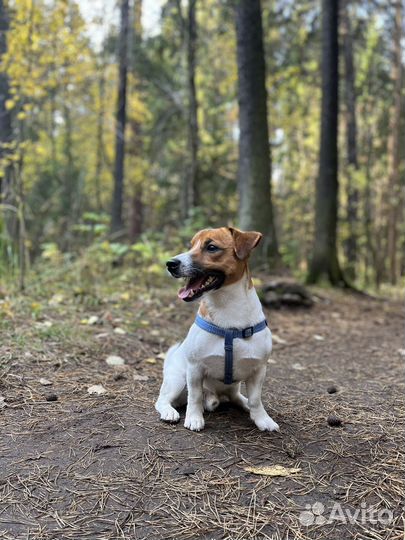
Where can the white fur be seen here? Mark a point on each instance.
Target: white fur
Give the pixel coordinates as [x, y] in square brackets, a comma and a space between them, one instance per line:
[197, 364]
[186, 262]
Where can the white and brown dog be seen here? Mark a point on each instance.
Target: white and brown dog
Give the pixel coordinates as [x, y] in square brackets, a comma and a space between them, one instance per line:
[216, 268]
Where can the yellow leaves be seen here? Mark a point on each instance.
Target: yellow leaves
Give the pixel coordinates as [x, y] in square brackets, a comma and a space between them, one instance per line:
[273, 470]
[36, 309]
[51, 252]
[6, 309]
[137, 110]
[90, 321]
[156, 269]
[9, 104]
[56, 299]
[43, 48]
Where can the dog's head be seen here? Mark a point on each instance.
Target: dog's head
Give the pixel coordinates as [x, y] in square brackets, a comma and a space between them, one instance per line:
[217, 257]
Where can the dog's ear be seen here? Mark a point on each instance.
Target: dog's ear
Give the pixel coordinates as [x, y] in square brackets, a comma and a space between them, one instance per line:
[244, 242]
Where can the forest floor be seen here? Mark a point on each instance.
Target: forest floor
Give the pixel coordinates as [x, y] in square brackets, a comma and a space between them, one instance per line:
[75, 465]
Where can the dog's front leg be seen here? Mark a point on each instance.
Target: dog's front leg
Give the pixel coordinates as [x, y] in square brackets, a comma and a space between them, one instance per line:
[194, 414]
[257, 412]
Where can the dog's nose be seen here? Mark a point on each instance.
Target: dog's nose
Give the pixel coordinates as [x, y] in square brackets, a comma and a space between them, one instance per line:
[173, 265]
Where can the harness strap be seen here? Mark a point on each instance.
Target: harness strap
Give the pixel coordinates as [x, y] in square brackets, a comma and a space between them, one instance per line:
[228, 345]
[229, 334]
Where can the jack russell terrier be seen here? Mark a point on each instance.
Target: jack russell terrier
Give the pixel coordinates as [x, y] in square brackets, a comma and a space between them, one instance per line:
[229, 341]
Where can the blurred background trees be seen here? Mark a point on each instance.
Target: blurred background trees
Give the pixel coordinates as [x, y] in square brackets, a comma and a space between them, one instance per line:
[152, 119]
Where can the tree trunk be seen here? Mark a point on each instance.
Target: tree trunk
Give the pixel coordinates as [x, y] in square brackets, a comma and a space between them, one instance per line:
[254, 167]
[190, 190]
[136, 213]
[351, 142]
[370, 254]
[117, 223]
[394, 188]
[69, 179]
[324, 263]
[100, 137]
[6, 134]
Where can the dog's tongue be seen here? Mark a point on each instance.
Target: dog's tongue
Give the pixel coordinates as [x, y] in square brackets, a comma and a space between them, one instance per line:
[193, 284]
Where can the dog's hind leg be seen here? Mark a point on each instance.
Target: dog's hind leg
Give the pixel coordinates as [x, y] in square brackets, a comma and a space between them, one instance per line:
[239, 400]
[173, 386]
[233, 395]
[211, 400]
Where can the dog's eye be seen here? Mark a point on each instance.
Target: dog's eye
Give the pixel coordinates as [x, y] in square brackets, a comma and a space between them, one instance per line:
[212, 248]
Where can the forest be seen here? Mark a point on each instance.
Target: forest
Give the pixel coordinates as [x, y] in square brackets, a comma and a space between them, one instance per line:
[286, 119]
[127, 126]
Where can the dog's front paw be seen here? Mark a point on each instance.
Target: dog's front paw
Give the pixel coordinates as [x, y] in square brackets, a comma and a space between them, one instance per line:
[265, 423]
[170, 415]
[195, 423]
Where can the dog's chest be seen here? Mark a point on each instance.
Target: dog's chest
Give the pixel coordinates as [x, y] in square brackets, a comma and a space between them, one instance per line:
[207, 350]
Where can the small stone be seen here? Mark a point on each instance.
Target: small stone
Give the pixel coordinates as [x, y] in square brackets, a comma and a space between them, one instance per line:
[96, 389]
[317, 337]
[332, 389]
[334, 421]
[43, 325]
[102, 335]
[51, 397]
[119, 331]
[113, 360]
[137, 377]
[92, 320]
[44, 382]
[298, 366]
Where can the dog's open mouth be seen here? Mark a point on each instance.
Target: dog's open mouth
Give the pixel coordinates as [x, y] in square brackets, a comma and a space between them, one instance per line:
[198, 285]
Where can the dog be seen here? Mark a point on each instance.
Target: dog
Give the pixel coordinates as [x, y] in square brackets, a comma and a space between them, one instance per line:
[229, 339]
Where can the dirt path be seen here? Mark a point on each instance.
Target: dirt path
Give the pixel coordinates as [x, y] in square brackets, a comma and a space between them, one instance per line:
[104, 467]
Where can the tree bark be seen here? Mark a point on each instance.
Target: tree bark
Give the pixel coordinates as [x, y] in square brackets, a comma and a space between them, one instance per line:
[137, 213]
[136, 216]
[6, 134]
[394, 187]
[254, 167]
[117, 222]
[324, 264]
[351, 142]
[191, 195]
[100, 137]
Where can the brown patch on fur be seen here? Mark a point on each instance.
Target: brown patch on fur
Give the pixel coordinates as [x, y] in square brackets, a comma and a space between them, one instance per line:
[235, 247]
[245, 242]
[203, 310]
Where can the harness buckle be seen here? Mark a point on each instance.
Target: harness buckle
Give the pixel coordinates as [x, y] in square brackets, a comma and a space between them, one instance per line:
[247, 332]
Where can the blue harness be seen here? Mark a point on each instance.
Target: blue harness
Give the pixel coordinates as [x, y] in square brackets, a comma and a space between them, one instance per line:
[229, 334]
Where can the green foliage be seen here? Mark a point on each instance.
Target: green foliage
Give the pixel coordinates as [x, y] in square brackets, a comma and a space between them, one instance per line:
[8, 255]
[62, 100]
